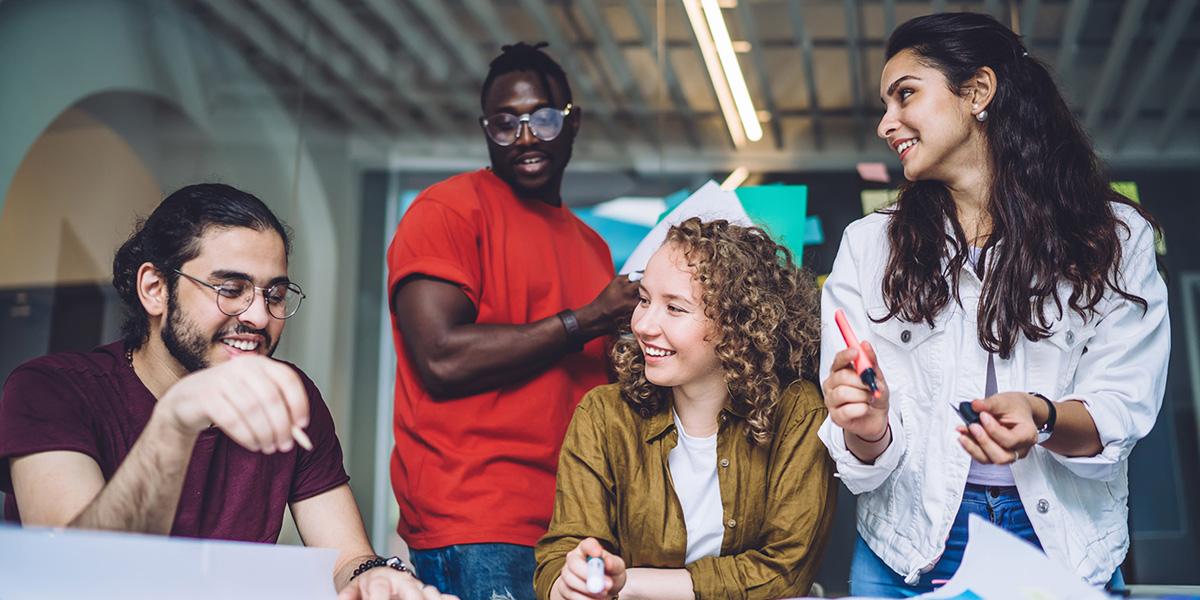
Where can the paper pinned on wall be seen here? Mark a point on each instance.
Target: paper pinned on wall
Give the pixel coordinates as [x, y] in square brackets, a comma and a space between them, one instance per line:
[873, 200]
[873, 171]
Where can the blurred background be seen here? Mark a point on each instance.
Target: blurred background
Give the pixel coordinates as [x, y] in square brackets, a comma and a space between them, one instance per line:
[337, 112]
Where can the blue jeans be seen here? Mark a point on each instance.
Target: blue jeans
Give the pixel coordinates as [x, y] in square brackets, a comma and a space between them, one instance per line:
[869, 576]
[478, 571]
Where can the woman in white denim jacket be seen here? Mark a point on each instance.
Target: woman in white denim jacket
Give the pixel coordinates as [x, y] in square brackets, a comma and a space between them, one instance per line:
[1008, 275]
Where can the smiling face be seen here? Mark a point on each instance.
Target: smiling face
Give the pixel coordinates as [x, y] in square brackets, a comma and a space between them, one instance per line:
[534, 168]
[930, 126]
[677, 339]
[195, 331]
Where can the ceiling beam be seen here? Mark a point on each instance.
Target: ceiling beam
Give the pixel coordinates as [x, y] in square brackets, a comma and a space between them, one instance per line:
[856, 69]
[1179, 106]
[1069, 46]
[299, 32]
[1114, 63]
[252, 32]
[761, 72]
[413, 38]
[1176, 22]
[627, 87]
[447, 27]
[485, 13]
[1028, 15]
[804, 41]
[667, 69]
[378, 60]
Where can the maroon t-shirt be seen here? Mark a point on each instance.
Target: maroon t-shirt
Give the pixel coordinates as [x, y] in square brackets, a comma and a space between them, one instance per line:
[95, 404]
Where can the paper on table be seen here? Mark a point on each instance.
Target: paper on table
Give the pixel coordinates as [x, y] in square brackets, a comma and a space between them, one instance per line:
[55, 563]
[709, 202]
[997, 564]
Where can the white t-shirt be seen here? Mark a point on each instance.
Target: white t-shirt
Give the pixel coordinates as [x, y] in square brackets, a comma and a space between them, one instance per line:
[982, 473]
[693, 463]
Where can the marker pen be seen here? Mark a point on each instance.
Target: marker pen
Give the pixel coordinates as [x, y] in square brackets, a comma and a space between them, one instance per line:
[862, 364]
[595, 574]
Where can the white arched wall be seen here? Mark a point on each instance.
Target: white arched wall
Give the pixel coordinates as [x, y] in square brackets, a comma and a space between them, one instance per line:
[64, 53]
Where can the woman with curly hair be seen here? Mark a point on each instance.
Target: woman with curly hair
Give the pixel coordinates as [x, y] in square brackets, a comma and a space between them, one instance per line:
[1009, 278]
[699, 474]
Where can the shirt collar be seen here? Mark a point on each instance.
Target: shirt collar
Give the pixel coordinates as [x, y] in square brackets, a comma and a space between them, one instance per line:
[661, 423]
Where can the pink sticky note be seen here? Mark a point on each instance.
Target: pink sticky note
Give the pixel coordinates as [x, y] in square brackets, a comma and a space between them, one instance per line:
[873, 171]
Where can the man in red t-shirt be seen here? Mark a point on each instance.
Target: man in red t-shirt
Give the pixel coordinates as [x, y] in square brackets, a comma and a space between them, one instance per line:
[187, 427]
[500, 301]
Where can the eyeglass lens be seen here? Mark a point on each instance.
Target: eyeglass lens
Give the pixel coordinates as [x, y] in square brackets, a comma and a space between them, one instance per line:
[235, 296]
[544, 123]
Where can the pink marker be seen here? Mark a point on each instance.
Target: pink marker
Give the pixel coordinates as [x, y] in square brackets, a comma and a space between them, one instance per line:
[862, 364]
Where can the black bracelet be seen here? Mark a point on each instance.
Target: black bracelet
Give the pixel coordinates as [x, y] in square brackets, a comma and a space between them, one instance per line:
[574, 332]
[394, 562]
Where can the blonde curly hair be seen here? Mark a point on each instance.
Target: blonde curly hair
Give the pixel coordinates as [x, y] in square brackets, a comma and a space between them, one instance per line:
[763, 308]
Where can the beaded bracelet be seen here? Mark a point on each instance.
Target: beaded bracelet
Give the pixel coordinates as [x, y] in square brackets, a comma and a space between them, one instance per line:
[394, 562]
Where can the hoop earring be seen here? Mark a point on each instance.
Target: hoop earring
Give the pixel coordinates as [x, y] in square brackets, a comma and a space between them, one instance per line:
[982, 116]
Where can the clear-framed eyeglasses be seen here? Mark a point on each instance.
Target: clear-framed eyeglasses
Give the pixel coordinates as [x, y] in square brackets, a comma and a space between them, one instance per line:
[235, 295]
[544, 123]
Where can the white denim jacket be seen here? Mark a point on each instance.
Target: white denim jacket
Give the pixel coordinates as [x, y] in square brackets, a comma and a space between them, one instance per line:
[1115, 363]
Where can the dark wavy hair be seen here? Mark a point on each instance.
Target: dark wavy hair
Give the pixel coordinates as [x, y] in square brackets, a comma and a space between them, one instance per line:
[764, 309]
[170, 236]
[527, 57]
[1050, 203]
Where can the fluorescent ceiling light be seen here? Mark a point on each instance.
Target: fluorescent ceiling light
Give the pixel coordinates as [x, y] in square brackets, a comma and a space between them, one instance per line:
[733, 70]
[736, 178]
[709, 51]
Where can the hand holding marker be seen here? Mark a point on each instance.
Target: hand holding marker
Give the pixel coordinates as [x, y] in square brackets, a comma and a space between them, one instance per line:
[595, 574]
[862, 364]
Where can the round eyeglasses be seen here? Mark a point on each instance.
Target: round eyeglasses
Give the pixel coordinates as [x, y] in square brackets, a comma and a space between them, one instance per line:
[236, 294]
[544, 123]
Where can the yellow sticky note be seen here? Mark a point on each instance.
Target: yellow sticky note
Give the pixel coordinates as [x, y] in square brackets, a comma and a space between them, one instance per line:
[873, 200]
[821, 280]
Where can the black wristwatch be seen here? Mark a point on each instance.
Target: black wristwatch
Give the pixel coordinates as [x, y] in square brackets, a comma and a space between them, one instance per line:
[1047, 428]
[394, 562]
[570, 322]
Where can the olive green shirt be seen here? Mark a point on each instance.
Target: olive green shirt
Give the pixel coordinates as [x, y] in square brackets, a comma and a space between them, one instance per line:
[614, 484]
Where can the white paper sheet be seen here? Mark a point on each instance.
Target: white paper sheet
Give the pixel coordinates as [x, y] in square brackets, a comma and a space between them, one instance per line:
[998, 564]
[709, 202]
[42, 564]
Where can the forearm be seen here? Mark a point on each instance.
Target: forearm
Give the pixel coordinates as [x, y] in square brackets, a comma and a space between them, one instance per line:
[1075, 433]
[657, 584]
[143, 494]
[473, 358]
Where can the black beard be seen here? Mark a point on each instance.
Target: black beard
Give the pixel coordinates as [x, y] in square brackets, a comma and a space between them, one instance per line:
[181, 340]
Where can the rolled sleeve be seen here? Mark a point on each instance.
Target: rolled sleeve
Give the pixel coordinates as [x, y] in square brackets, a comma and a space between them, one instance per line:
[435, 240]
[1122, 376]
[859, 476]
[841, 290]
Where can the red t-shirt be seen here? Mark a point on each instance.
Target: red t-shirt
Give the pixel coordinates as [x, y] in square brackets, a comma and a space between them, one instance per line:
[480, 469]
[95, 404]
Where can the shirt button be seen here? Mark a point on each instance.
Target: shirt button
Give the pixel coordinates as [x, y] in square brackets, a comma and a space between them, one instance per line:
[905, 336]
[731, 523]
[724, 463]
[1043, 506]
[1070, 337]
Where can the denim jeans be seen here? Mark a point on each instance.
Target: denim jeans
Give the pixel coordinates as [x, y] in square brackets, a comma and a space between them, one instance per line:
[869, 576]
[478, 571]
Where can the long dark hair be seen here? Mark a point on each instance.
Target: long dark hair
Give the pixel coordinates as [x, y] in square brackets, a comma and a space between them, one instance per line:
[1050, 202]
[170, 236]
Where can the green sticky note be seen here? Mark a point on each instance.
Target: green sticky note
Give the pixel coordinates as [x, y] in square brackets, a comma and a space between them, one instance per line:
[873, 200]
[781, 211]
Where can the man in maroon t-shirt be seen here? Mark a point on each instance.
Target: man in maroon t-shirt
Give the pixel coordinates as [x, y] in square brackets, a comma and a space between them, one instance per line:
[187, 426]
